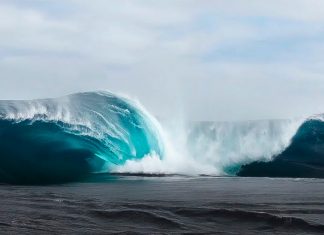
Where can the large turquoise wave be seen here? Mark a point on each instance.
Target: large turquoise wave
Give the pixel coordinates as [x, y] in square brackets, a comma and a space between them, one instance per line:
[72, 137]
[77, 137]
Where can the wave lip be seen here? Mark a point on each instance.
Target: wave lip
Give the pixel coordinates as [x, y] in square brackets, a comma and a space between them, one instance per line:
[72, 137]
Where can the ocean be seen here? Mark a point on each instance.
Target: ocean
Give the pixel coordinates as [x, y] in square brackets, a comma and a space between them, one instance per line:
[98, 163]
[125, 204]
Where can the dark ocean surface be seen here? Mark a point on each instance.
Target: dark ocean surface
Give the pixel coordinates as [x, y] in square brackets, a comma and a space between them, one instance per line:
[166, 205]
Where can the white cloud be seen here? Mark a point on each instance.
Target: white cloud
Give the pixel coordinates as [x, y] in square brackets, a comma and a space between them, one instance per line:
[221, 59]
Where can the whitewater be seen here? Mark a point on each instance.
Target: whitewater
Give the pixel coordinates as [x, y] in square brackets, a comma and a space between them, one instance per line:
[72, 137]
[215, 148]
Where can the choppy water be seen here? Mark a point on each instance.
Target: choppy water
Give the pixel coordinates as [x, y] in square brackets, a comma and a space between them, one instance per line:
[163, 205]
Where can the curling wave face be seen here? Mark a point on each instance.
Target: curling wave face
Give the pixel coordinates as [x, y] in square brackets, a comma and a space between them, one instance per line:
[69, 138]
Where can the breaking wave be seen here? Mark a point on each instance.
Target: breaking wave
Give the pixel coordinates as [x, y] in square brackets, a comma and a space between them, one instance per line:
[68, 138]
[80, 135]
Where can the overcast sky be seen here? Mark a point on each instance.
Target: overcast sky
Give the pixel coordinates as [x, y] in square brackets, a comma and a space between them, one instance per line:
[211, 60]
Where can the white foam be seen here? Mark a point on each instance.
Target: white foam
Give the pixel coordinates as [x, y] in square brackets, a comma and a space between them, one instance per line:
[215, 147]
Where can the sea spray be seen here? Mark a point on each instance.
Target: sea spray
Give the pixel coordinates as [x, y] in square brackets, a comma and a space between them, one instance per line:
[215, 148]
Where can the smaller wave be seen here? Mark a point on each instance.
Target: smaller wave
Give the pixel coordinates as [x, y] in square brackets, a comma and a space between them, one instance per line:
[136, 216]
[178, 217]
[304, 157]
[243, 215]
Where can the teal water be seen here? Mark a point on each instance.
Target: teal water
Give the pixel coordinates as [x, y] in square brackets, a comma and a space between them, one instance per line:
[75, 137]
[69, 138]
